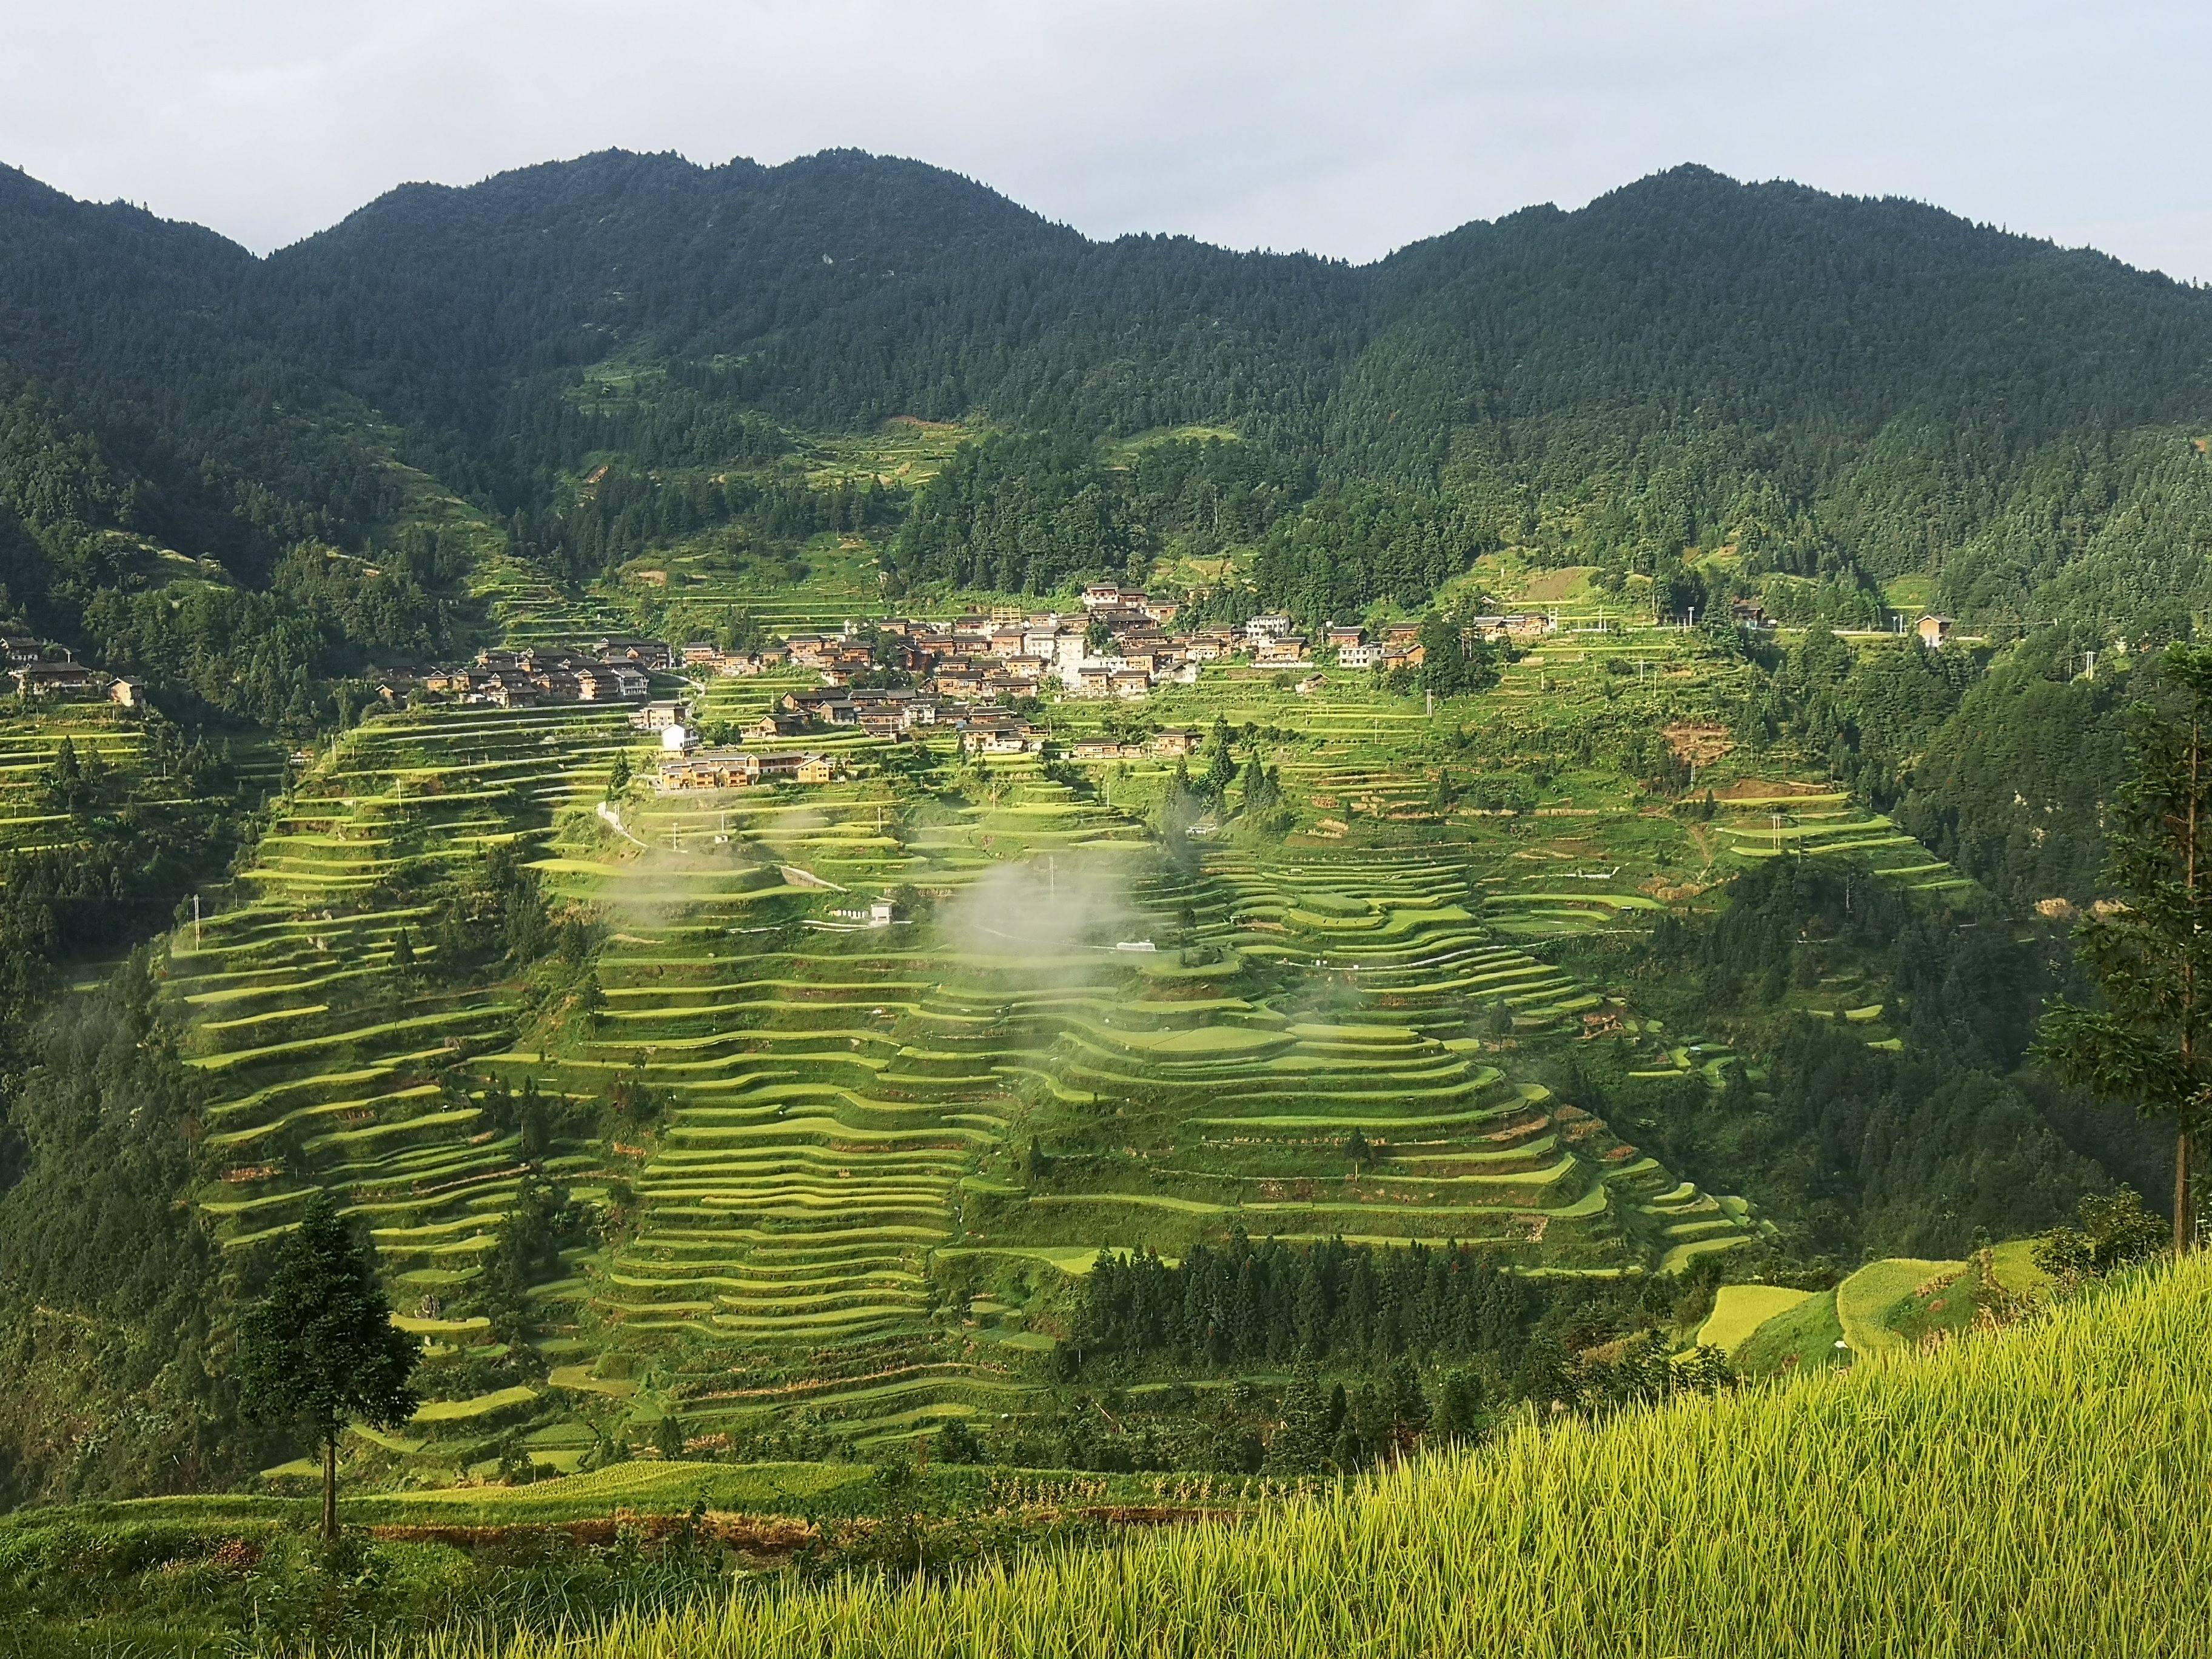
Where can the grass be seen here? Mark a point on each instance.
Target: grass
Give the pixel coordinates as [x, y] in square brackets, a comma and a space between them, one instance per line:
[1990, 1500]
[1806, 1338]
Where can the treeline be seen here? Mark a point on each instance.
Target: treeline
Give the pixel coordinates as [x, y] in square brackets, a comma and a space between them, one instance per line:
[625, 512]
[74, 520]
[1389, 1350]
[2000, 764]
[270, 656]
[1270, 1303]
[1359, 543]
[130, 845]
[111, 1290]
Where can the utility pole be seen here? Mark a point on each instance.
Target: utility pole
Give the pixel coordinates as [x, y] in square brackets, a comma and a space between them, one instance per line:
[196, 921]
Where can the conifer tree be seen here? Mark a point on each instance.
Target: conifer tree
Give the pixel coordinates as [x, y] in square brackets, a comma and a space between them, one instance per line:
[1303, 1443]
[2150, 1041]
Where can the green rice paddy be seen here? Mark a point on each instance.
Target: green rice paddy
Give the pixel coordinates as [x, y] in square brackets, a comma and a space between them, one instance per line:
[874, 1159]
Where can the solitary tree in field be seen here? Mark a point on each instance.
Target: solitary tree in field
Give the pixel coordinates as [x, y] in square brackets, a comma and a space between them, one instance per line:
[321, 1347]
[2151, 1042]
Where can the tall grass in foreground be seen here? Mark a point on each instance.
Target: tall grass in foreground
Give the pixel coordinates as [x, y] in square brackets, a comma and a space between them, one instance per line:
[2046, 1491]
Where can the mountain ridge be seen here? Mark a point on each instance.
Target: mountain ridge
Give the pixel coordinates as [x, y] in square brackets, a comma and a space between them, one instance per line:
[1686, 362]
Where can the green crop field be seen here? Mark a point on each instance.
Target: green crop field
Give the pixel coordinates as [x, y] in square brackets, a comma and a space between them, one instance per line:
[1831, 1517]
[1740, 1311]
[1866, 1299]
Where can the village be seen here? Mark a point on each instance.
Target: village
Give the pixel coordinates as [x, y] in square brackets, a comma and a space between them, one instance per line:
[40, 671]
[980, 676]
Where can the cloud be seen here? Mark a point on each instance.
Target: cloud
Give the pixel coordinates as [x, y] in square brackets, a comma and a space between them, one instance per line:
[1303, 124]
[1050, 913]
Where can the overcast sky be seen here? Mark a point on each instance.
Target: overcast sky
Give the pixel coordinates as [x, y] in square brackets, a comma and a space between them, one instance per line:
[1349, 127]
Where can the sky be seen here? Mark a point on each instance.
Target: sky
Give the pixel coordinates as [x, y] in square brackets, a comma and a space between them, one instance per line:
[1347, 129]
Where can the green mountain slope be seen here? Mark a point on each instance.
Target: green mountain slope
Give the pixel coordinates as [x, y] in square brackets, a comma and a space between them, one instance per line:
[656, 1142]
[1835, 391]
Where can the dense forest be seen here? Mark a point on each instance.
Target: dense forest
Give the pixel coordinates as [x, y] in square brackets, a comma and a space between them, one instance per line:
[1837, 391]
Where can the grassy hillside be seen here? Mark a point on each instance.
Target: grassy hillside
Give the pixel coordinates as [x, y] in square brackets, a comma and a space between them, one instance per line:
[2036, 1491]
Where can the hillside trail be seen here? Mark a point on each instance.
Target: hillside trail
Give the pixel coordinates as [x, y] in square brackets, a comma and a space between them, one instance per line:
[612, 815]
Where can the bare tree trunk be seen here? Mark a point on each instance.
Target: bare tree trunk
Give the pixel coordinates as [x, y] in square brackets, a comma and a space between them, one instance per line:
[331, 1489]
[2184, 1212]
[2184, 1229]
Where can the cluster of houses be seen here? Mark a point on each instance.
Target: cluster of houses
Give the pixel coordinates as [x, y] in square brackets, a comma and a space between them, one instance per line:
[705, 657]
[730, 766]
[37, 668]
[1118, 647]
[1172, 744]
[608, 669]
[879, 712]
[1009, 653]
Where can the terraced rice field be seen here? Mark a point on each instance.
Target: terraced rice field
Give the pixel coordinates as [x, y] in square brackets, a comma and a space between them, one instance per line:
[105, 738]
[328, 1069]
[1808, 824]
[868, 1162]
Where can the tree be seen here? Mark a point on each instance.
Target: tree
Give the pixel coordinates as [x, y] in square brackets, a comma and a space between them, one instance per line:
[2116, 1232]
[1409, 1408]
[1221, 765]
[1450, 664]
[1302, 1443]
[2152, 953]
[319, 1346]
[1462, 1414]
[668, 1437]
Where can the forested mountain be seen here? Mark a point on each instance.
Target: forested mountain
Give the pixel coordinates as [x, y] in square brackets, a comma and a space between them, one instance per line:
[1838, 392]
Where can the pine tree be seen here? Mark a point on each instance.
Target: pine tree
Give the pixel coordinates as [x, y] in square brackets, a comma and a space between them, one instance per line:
[1408, 1406]
[2151, 1041]
[1462, 1414]
[1303, 1440]
[668, 1437]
